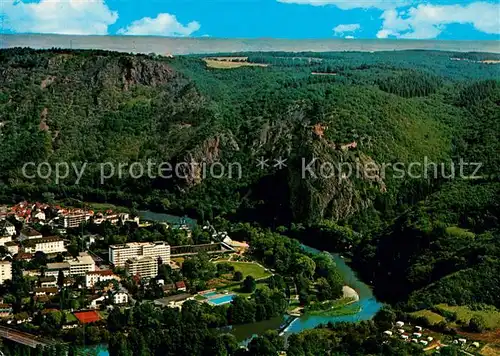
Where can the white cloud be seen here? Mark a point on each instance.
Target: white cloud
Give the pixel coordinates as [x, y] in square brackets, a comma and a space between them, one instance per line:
[76, 17]
[343, 28]
[349, 37]
[162, 25]
[353, 4]
[428, 21]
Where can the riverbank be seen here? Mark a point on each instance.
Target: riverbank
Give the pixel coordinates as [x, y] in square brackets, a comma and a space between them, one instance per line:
[350, 293]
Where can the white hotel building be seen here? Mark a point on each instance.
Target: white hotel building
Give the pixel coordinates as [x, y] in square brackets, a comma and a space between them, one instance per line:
[119, 254]
[47, 245]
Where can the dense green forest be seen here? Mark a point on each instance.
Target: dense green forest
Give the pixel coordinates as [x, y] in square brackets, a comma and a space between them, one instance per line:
[429, 238]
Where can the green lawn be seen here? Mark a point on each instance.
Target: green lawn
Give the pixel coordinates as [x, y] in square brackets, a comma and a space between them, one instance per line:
[70, 317]
[333, 308]
[491, 315]
[432, 318]
[249, 269]
[459, 232]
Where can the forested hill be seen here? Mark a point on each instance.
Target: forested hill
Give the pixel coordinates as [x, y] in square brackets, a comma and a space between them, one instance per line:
[94, 106]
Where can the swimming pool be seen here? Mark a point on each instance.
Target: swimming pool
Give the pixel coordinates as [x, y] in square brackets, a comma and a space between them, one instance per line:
[222, 300]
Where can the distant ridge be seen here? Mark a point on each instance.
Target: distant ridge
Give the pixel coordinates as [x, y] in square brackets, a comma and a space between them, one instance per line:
[162, 45]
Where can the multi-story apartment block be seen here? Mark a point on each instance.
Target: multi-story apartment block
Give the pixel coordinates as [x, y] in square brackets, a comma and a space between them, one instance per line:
[78, 266]
[145, 267]
[119, 254]
[74, 219]
[5, 271]
[82, 264]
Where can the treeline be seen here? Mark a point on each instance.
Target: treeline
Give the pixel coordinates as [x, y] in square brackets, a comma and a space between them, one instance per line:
[410, 85]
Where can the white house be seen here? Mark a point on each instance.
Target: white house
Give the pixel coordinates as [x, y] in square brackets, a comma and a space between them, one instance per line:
[388, 333]
[401, 331]
[418, 328]
[430, 338]
[404, 337]
[8, 227]
[12, 247]
[417, 335]
[400, 324]
[475, 344]
[39, 214]
[120, 298]
[423, 342]
[5, 239]
[462, 341]
[97, 301]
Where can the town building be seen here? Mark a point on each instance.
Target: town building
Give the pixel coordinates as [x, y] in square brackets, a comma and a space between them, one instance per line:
[12, 247]
[180, 286]
[120, 298]
[5, 271]
[28, 234]
[5, 310]
[91, 278]
[145, 267]
[119, 254]
[82, 264]
[5, 239]
[47, 291]
[47, 282]
[54, 268]
[7, 227]
[47, 245]
[72, 220]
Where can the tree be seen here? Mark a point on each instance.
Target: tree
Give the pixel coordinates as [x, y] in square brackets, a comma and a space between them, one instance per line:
[238, 276]
[385, 318]
[60, 279]
[477, 324]
[249, 284]
[305, 265]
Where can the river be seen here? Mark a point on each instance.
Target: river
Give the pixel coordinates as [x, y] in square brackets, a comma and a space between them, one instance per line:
[244, 333]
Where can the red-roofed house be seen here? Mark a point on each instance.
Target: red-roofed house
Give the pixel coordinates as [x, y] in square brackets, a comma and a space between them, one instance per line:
[181, 286]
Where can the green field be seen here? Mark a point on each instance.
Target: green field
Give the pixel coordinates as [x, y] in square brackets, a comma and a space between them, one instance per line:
[249, 269]
[464, 314]
[459, 232]
[333, 308]
[432, 318]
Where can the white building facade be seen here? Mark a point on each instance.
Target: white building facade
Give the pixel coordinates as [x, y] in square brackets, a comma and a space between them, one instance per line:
[47, 245]
[5, 271]
[119, 254]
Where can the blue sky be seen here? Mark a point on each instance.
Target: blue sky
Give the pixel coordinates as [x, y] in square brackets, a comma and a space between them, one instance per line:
[412, 19]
